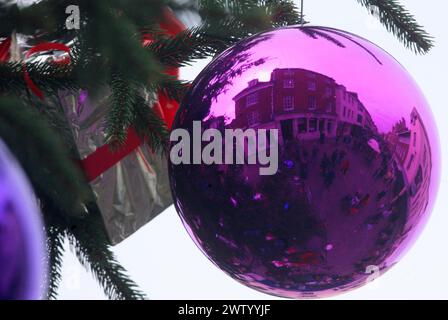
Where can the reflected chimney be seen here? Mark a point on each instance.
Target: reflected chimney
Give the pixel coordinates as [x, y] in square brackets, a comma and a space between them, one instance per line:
[253, 82]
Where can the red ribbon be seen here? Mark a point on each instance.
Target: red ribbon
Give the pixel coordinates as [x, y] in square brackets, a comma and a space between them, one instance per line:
[4, 50]
[103, 158]
[42, 47]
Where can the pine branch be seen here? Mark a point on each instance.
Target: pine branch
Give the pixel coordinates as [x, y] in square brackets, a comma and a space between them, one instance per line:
[55, 244]
[150, 126]
[120, 115]
[47, 76]
[284, 13]
[233, 20]
[88, 238]
[170, 86]
[89, 241]
[252, 16]
[397, 19]
[45, 159]
[185, 47]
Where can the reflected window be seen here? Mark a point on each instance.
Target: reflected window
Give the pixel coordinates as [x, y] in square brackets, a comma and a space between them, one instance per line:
[328, 91]
[329, 106]
[345, 112]
[288, 83]
[359, 119]
[311, 75]
[415, 139]
[252, 99]
[302, 125]
[418, 178]
[312, 86]
[288, 103]
[312, 102]
[289, 72]
[253, 118]
[329, 127]
[410, 162]
[313, 125]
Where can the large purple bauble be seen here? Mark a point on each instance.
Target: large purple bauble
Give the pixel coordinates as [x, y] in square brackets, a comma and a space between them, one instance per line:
[21, 234]
[358, 162]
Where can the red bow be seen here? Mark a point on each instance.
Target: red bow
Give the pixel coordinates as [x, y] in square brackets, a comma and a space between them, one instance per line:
[5, 55]
[42, 47]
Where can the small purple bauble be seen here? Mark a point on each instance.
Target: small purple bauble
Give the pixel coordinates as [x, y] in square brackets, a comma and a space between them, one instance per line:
[21, 234]
[331, 175]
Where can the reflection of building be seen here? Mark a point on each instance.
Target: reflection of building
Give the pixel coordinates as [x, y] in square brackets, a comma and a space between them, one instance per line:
[351, 112]
[412, 150]
[398, 140]
[301, 104]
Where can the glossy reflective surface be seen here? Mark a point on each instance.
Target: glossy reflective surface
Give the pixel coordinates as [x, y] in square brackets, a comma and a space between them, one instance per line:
[21, 234]
[357, 169]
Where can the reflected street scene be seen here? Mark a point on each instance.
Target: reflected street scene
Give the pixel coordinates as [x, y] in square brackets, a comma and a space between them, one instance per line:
[357, 162]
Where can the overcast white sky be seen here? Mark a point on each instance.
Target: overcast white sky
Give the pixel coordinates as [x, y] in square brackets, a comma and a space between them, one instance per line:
[166, 264]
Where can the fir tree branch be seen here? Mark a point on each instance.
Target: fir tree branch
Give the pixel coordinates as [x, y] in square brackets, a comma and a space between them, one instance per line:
[88, 238]
[252, 16]
[397, 19]
[120, 115]
[55, 245]
[170, 86]
[284, 13]
[47, 76]
[89, 241]
[150, 126]
[185, 47]
[45, 159]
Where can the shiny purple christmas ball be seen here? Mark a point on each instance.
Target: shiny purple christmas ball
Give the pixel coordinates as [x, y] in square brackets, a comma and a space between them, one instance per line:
[302, 160]
[21, 234]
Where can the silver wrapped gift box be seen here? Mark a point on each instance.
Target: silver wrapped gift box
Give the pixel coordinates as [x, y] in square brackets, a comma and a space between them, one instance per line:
[134, 190]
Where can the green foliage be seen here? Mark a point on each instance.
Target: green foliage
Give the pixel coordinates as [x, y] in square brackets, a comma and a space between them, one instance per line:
[107, 52]
[186, 47]
[55, 252]
[148, 124]
[47, 76]
[120, 115]
[44, 157]
[89, 241]
[394, 16]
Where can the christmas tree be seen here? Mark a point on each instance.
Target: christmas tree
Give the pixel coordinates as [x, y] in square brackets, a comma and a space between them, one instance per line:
[104, 42]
